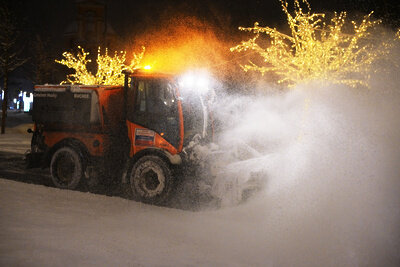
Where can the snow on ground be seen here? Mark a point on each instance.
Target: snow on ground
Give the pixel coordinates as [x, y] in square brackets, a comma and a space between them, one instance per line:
[16, 139]
[15, 142]
[50, 227]
[331, 158]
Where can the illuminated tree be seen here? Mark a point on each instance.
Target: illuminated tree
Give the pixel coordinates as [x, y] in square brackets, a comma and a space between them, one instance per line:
[316, 48]
[109, 68]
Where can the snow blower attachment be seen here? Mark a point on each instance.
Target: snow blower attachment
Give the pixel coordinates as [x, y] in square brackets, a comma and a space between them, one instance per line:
[151, 132]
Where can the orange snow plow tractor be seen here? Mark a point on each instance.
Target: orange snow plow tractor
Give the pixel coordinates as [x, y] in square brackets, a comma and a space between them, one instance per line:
[133, 134]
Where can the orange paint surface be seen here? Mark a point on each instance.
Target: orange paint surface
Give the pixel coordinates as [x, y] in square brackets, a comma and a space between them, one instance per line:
[52, 138]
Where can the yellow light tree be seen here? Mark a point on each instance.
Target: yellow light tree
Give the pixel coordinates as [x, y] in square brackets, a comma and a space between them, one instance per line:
[109, 68]
[316, 48]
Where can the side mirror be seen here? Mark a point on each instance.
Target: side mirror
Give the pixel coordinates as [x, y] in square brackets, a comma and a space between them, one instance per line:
[29, 130]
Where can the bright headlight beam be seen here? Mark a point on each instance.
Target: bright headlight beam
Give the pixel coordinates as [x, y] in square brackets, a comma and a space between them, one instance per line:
[195, 80]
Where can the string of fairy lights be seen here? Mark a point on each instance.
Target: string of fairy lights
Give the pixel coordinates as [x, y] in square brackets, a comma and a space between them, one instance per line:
[109, 68]
[316, 49]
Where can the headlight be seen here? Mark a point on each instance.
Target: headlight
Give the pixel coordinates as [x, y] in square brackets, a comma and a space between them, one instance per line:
[195, 81]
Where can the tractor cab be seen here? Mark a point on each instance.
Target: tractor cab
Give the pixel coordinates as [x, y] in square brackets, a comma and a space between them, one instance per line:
[163, 112]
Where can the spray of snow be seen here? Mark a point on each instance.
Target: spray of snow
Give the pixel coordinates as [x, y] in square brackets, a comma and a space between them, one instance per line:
[328, 157]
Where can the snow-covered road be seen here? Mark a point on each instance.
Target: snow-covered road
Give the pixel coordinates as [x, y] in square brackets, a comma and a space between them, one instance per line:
[43, 226]
[49, 227]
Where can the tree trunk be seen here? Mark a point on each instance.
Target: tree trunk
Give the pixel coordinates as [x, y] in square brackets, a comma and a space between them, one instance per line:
[5, 104]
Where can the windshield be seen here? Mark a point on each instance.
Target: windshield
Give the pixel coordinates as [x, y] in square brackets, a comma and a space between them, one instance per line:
[153, 105]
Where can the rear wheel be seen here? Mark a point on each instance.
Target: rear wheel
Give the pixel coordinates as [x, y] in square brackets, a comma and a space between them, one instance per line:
[66, 168]
[150, 180]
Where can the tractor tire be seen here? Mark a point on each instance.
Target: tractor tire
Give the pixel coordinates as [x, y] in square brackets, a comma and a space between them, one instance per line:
[150, 180]
[67, 168]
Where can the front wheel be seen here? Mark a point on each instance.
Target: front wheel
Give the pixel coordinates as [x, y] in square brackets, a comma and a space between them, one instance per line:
[150, 180]
[66, 168]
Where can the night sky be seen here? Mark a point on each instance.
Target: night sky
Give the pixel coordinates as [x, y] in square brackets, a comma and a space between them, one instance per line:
[45, 15]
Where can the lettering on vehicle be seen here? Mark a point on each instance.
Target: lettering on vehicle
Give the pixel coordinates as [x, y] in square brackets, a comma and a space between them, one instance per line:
[144, 137]
[85, 96]
[51, 95]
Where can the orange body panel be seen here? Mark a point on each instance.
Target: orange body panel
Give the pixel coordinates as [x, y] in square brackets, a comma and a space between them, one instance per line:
[156, 140]
[88, 139]
[181, 125]
[111, 101]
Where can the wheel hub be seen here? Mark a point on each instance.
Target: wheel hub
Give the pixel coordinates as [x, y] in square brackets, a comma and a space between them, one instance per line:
[65, 169]
[151, 180]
